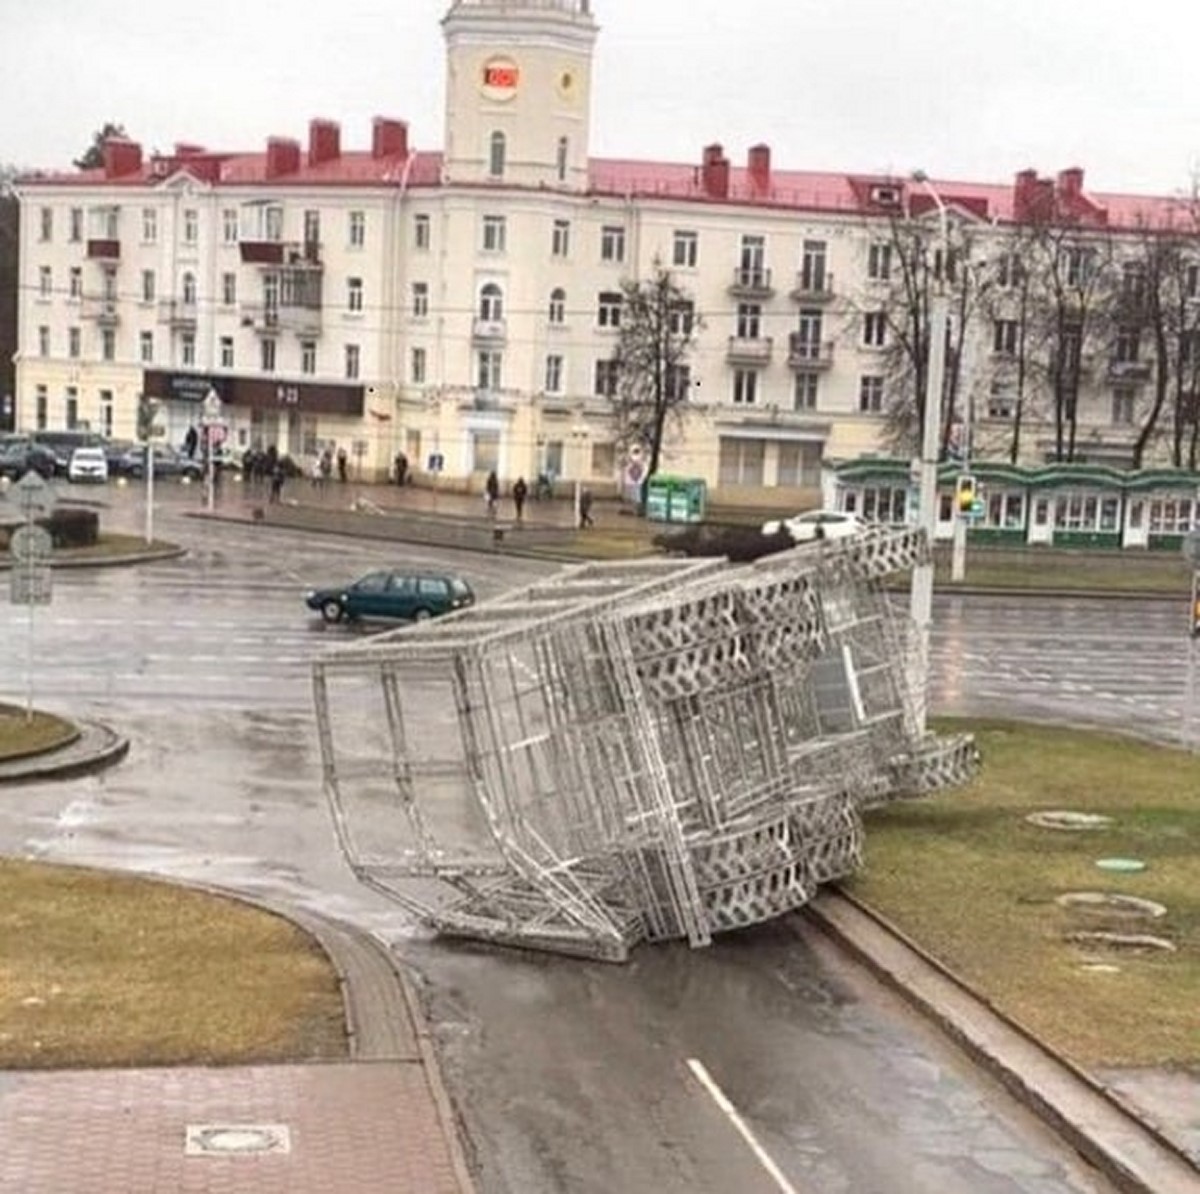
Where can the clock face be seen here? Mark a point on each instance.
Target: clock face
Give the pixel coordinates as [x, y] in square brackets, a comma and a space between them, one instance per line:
[501, 78]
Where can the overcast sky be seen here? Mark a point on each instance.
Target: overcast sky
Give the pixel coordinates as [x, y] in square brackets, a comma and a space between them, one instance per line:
[964, 89]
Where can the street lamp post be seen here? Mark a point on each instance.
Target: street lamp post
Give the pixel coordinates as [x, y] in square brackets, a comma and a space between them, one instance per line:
[921, 600]
[210, 421]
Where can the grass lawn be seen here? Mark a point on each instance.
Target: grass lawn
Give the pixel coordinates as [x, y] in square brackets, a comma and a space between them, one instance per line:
[20, 735]
[106, 970]
[117, 545]
[1135, 572]
[967, 877]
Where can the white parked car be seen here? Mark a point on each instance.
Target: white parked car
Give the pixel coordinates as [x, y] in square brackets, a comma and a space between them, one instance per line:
[816, 524]
[88, 464]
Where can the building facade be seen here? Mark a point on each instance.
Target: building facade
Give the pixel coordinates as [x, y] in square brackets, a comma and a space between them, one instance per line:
[463, 306]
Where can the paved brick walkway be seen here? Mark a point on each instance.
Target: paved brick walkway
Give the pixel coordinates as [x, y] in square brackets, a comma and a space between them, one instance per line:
[346, 1129]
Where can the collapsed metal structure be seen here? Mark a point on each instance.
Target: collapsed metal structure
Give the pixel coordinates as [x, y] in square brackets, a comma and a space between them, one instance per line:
[632, 751]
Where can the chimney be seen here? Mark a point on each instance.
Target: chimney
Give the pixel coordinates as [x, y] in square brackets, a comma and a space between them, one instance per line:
[1025, 194]
[1070, 183]
[714, 174]
[121, 158]
[185, 149]
[283, 156]
[389, 138]
[759, 167]
[324, 141]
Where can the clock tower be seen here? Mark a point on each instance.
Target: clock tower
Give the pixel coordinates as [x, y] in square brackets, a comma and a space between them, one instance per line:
[518, 92]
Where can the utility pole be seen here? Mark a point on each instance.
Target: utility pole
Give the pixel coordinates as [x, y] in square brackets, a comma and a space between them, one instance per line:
[1191, 688]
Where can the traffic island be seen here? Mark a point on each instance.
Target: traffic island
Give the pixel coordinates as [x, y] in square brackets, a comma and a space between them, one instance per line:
[42, 746]
[25, 733]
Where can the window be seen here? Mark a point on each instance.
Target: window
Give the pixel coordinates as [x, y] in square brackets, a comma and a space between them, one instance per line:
[494, 234]
[42, 407]
[686, 250]
[558, 306]
[75, 284]
[1006, 510]
[45, 282]
[491, 303]
[266, 356]
[354, 294]
[681, 319]
[148, 289]
[561, 160]
[497, 153]
[191, 225]
[560, 238]
[879, 262]
[420, 300]
[187, 348]
[46, 232]
[1002, 400]
[357, 229]
[106, 413]
[1077, 265]
[677, 383]
[71, 404]
[272, 223]
[609, 313]
[146, 347]
[749, 321]
[813, 272]
[308, 357]
[108, 283]
[189, 290]
[1004, 337]
[554, 374]
[1009, 271]
[417, 367]
[612, 243]
[149, 225]
[874, 329]
[753, 257]
[1123, 402]
[804, 395]
[312, 230]
[1127, 345]
[797, 464]
[806, 340]
[608, 379]
[76, 225]
[1174, 517]
[745, 387]
[353, 358]
[421, 231]
[74, 342]
[1191, 281]
[1133, 283]
[108, 344]
[870, 394]
[489, 372]
[226, 352]
[229, 225]
[43, 341]
[741, 462]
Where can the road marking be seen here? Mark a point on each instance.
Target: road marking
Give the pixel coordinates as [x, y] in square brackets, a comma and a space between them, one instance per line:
[731, 1113]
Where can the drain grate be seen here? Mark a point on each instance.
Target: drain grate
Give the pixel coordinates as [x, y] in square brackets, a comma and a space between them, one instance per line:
[237, 1140]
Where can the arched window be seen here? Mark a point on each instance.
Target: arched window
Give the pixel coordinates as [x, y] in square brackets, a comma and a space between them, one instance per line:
[558, 306]
[563, 150]
[189, 290]
[498, 155]
[491, 303]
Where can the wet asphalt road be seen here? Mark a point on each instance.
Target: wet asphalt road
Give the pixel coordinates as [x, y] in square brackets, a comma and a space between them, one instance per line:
[570, 1077]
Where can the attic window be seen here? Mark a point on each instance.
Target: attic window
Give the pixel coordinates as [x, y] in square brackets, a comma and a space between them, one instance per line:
[886, 196]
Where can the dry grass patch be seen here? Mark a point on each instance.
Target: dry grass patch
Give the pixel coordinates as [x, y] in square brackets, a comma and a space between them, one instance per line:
[966, 876]
[1129, 571]
[21, 735]
[112, 970]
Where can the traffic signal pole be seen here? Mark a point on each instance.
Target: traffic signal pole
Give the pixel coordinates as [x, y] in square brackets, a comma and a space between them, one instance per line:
[958, 555]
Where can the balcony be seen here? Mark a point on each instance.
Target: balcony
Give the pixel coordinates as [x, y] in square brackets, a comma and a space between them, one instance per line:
[751, 282]
[305, 255]
[271, 319]
[1129, 371]
[489, 331]
[177, 313]
[105, 311]
[104, 250]
[749, 350]
[813, 288]
[806, 354]
[482, 398]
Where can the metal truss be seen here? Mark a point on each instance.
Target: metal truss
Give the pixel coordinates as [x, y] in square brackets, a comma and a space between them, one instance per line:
[632, 751]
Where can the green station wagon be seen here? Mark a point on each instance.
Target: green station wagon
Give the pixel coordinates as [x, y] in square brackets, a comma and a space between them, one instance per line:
[396, 593]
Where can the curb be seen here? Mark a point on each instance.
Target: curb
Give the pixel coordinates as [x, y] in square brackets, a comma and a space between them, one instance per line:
[41, 766]
[145, 557]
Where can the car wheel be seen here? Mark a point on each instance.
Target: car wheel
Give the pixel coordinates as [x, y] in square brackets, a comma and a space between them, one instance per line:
[422, 615]
[332, 611]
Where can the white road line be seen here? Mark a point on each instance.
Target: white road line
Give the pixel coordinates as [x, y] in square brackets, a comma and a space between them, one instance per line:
[731, 1113]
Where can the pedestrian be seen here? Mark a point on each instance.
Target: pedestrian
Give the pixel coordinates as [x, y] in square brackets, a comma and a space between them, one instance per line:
[277, 482]
[317, 473]
[342, 462]
[401, 468]
[520, 491]
[585, 509]
[491, 493]
[189, 443]
[326, 464]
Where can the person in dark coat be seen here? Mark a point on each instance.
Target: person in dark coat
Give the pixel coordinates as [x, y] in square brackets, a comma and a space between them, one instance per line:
[491, 492]
[520, 492]
[585, 509]
[342, 463]
[401, 468]
[190, 440]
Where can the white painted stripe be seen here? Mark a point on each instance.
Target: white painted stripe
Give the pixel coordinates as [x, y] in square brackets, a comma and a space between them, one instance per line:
[731, 1113]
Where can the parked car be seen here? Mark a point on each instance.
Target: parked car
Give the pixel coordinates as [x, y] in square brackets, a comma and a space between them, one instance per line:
[87, 464]
[20, 455]
[63, 443]
[114, 450]
[816, 524]
[168, 462]
[397, 593]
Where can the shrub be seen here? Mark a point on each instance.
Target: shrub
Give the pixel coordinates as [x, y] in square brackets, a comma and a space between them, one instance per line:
[72, 526]
[739, 544]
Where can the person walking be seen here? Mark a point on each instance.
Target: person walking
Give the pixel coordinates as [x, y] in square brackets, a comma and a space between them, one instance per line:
[401, 468]
[342, 463]
[520, 491]
[585, 509]
[491, 493]
[277, 483]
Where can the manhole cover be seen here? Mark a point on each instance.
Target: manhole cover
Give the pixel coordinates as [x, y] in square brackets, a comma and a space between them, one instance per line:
[1114, 905]
[1141, 943]
[1126, 866]
[231, 1140]
[1062, 819]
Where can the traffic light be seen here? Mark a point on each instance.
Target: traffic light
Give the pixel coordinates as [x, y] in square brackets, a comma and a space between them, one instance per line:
[965, 494]
[146, 413]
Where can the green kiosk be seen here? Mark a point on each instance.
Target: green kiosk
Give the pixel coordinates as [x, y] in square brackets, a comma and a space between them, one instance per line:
[676, 499]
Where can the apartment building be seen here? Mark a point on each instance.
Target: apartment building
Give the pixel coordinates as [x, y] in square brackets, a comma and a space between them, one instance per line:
[463, 306]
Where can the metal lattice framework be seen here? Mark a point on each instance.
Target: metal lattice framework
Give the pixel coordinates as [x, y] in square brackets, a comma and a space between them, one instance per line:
[632, 751]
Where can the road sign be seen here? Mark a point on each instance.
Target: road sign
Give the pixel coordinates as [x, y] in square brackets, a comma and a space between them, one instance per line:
[31, 543]
[33, 495]
[30, 586]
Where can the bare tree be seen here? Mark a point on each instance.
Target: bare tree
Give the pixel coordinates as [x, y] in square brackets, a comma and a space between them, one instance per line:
[652, 378]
